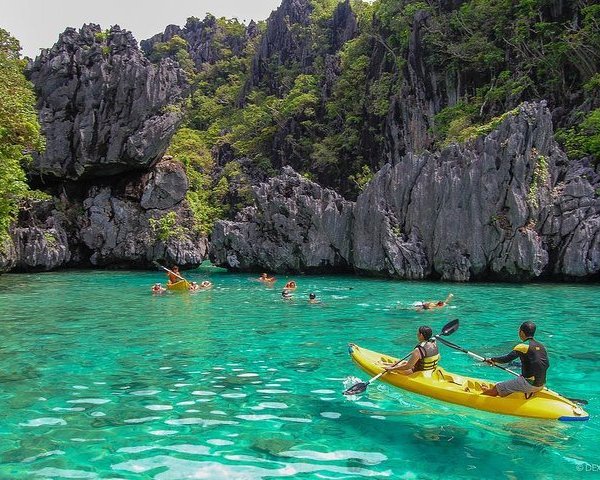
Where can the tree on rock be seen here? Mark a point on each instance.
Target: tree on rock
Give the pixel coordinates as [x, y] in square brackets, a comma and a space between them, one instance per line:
[19, 128]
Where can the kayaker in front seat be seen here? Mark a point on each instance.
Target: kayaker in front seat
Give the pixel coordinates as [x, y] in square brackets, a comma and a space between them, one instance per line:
[174, 275]
[534, 364]
[425, 356]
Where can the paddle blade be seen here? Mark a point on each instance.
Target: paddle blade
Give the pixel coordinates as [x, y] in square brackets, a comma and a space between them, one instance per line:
[356, 389]
[450, 328]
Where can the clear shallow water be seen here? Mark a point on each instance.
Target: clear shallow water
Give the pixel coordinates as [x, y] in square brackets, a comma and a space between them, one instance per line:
[100, 379]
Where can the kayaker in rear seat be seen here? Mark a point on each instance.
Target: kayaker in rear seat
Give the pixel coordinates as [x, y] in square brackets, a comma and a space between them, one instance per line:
[425, 356]
[534, 364]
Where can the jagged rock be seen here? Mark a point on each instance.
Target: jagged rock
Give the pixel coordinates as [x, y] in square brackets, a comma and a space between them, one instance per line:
[283, 44]
[488, 209]
[123, 227]
[8, 255]
[39, 238]
[296, 225]
[128, 222]
[287, 42]
[40, 249]
[165, 188]
[412, 111]
[104, 108]
[343, 26]
[205, 39]
[505, 206]
[572, 224]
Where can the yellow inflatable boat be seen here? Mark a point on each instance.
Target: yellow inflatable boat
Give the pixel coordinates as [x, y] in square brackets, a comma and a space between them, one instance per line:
[452, 388]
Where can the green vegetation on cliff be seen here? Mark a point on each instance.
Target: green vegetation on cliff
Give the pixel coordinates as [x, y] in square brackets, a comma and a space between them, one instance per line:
[19, 129]
[336, 89]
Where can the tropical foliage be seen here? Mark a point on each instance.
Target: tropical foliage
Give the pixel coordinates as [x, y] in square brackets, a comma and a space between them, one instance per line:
[482, 57]
[19, 129]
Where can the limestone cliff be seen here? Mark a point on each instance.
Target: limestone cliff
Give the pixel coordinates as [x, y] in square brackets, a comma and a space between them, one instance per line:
[296, 225]
[104, 108]
[505, 206]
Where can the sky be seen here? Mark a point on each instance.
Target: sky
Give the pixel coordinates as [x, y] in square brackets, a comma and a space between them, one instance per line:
[37, 23]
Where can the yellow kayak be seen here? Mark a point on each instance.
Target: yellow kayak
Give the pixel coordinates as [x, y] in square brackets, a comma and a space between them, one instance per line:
[180, 286]
[466, 391]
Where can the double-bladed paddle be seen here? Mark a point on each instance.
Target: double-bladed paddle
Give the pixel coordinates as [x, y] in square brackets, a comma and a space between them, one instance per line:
[482, 359]
[360, 387]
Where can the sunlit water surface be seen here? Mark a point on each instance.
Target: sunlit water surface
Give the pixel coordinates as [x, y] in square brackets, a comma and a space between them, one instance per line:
[102, 380]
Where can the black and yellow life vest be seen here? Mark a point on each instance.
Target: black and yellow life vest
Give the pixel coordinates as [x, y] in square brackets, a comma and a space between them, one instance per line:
[430, 356]
[534, 361]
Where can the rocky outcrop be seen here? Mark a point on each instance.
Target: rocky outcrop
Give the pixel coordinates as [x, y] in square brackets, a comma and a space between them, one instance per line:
[505, 206]
[104, 108]
[138, 222]
[124, 223]
[343, 26]
[8, 255]
[296, 225]
[205, 39]
[411, 117]
[40, 238]
[489, 209]
[284, 43]
[289, 42]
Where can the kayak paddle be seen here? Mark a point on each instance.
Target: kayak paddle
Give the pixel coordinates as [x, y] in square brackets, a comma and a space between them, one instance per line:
[482, 359]
[167, 270]
[360, 387]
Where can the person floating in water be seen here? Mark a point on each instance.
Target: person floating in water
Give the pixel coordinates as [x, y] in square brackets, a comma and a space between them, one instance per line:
[425, 355]
[265, 278]
[534, 364]
[158, 288]
[286, 295]
[312, 298]
[194, 287]
[291, 285]
[433, 305]
[205, 285]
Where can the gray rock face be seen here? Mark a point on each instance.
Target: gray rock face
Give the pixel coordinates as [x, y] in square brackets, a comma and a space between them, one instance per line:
[166, 186]
[127, 224]
[39, 239]
[296, 225]
[282, 44]
[104, 108]
[8, 255]
[142, 221]
[507, 206]
[491, 209]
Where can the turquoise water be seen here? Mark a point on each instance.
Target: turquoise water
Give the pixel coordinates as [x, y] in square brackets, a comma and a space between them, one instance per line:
[101, 379]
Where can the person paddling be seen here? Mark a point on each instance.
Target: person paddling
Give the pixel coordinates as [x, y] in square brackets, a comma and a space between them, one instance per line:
[534, 364]
[174, 276]
[425, 356]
